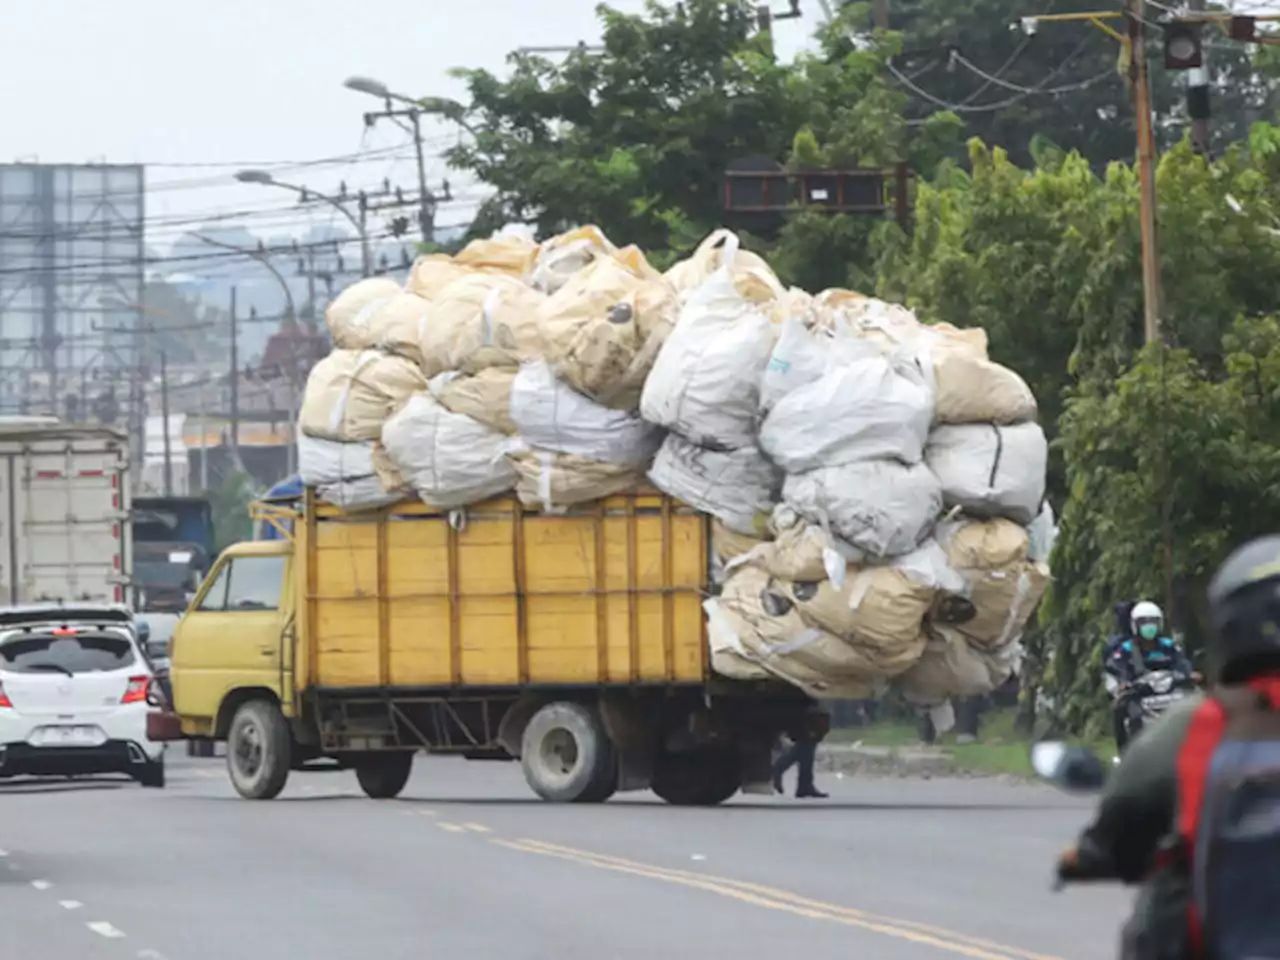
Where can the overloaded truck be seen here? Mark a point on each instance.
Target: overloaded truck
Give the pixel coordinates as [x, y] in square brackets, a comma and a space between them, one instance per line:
[573, 642]
[64, 513]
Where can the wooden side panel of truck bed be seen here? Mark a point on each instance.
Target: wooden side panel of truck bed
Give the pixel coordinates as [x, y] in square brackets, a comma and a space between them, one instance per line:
[499, 596]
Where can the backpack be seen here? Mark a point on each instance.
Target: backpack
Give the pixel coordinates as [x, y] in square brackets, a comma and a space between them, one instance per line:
[1229, 821]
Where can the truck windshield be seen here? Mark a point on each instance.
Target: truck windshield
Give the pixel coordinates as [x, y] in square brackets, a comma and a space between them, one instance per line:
[44, 652]
[246, 583]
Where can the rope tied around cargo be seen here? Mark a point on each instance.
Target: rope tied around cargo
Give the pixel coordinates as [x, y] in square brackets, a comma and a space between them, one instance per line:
[995, 463]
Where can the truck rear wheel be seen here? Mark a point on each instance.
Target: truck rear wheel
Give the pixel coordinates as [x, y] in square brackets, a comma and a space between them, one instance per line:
[566, 754]
[258, 746]
[703, 778]
[383, 776]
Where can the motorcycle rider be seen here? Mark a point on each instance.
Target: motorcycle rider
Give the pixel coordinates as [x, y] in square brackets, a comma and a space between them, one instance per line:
[1148, 650]
[1152, 825]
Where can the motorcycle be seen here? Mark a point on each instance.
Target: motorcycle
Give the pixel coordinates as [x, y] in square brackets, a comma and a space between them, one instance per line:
[1074, 770]
[1148, 697]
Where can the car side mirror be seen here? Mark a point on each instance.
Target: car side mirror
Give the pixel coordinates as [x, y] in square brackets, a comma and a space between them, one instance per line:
[1073, 769]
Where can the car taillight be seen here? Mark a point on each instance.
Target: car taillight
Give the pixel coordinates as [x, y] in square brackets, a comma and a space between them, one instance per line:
[5, 702]
[137, 690]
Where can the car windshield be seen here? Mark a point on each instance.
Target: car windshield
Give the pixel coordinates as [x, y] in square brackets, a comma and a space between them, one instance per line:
[44, 652]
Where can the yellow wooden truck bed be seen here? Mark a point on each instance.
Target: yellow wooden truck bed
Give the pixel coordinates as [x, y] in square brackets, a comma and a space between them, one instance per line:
[500, 596]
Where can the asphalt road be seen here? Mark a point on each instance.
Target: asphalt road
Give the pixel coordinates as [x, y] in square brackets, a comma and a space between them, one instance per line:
[466, 864]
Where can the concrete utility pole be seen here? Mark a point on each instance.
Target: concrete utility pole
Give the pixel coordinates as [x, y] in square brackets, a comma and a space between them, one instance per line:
[235, 381]
[164, 416]
[1140, 78]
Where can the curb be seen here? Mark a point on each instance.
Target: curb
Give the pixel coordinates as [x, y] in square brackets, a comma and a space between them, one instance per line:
[897, 761]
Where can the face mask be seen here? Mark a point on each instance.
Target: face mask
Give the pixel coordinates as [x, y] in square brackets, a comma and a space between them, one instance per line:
[1148, 631]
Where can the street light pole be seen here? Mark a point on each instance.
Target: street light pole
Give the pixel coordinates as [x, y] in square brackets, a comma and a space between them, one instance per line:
[360, 222]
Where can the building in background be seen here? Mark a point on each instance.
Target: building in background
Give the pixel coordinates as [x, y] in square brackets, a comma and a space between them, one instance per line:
[72, 265]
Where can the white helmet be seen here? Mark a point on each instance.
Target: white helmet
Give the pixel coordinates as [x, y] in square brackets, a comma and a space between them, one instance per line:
[1145, 611]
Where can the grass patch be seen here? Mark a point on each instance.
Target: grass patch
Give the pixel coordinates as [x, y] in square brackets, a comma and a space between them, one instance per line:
[1000, 747]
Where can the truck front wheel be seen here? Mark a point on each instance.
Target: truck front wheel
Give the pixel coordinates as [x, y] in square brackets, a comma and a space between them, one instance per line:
[566, 754]
[383, 776]
[258, 746]
[703, 778]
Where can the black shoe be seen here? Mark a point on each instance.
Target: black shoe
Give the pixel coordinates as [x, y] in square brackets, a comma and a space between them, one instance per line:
[813, 793]
[777, 785]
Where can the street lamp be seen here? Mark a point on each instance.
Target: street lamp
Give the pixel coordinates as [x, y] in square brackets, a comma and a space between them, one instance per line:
[414, 111]
[264, 178]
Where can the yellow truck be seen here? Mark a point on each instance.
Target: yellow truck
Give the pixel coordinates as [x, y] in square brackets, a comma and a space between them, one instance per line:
[573, 642]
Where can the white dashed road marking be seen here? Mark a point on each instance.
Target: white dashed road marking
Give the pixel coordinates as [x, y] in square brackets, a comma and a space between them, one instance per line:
[70, 904]
[41, 884]
[105, 929]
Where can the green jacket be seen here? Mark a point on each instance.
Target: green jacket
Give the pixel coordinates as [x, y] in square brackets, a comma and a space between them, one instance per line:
[1135, 815]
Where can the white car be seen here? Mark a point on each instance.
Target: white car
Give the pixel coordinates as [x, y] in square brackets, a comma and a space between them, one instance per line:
[74, 695]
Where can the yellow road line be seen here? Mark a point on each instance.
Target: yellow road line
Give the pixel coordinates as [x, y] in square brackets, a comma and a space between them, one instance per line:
[476, 827]
[451, 827]
[423, 811]
[775, 899]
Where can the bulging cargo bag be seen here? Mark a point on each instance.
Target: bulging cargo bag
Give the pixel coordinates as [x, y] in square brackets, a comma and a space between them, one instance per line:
[553, 416]
[482, 320]
[340, 314]
[1002, 585]
[603, 329]
[343, 473]
[393, 324]
[350, 394]
[738, 487]
[559, 258]
[431, 273]
[753, 628]
[705, 383]
[506, 254]
[751, 274]
[989, 470]
[883, 507]
[950, 666]
[485, 397]
[556, 481]
[867, 408]
[448, 458]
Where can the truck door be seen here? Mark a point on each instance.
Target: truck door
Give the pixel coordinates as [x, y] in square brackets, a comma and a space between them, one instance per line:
[232, 638]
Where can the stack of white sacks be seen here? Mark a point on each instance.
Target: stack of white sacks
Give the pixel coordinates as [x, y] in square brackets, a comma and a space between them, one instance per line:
[875, 483]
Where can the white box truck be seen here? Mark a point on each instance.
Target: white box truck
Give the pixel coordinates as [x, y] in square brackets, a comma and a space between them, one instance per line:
[64, 513]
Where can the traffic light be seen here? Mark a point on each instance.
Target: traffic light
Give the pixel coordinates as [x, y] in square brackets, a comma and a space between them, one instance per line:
[1182, 46]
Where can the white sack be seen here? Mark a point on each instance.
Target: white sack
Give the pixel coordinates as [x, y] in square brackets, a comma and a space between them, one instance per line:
[559, 258]
[739, 487]
[991, 471]
[350, 394]
[340, 315]
[342, 473]
[871, 408]
[879, 506]
[448, 458]
[1042, 535]
[802, 355]
[552, 415]
[705, 383]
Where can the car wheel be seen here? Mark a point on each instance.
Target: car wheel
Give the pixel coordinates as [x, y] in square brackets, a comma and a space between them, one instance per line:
[258, 748]
[152, 773]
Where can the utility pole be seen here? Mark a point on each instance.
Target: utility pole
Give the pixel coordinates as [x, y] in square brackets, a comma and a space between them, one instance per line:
[1140, 77]
[164, 416]
[235, 382]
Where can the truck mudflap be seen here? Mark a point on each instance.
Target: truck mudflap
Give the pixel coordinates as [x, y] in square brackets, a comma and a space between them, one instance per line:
[164, 725]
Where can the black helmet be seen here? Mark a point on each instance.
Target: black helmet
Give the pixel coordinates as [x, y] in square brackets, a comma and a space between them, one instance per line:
[1244, 611]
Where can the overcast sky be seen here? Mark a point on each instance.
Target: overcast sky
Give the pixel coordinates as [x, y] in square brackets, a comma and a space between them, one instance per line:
[256, 81]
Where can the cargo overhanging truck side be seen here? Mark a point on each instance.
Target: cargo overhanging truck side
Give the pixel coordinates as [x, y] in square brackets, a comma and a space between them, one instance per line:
[573, 642]
[64, 514]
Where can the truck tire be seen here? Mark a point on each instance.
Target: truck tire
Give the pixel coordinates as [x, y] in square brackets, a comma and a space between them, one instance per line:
[704, 778]
[383, 776]
[566, 754]
[258, 746]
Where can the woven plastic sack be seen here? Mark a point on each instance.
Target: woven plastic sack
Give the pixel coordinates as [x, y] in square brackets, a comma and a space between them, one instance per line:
[350, 394]
[510, 255]
[342, 473]
[482, 320]
[559, 258]
[991, 471]
[349, 304]
[486, 396]
[1002, 586]
[705, 384]
[393, 324]
[972, 389]
[552, 415]
[869, 408]
[554, 481]
[952, 667]
[431, 273]
[603, 329]
[449, 459]
[879, 506]
[738, 487]
[751, 275]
